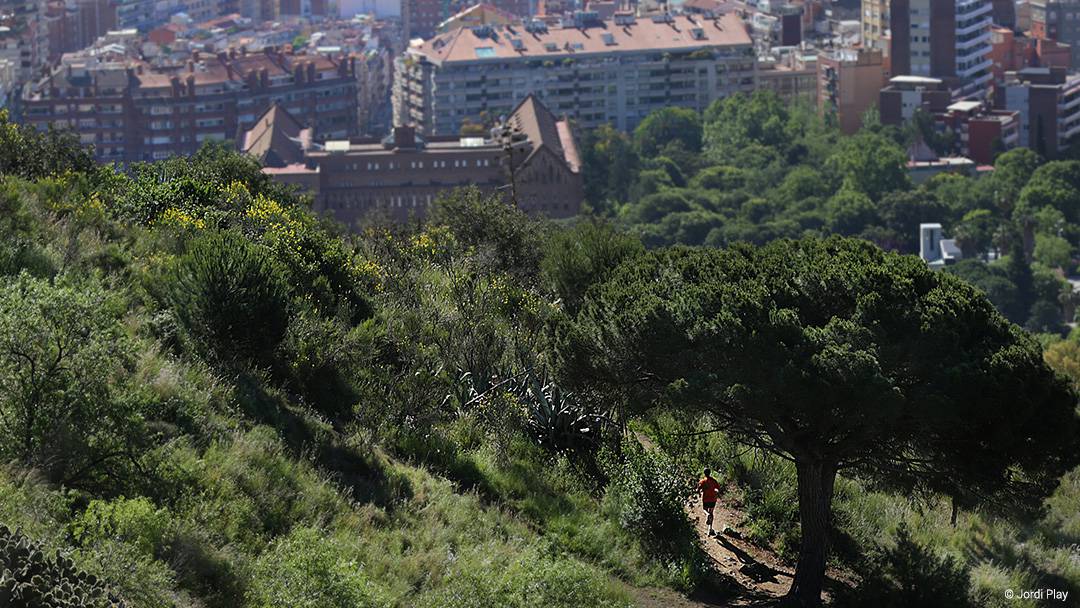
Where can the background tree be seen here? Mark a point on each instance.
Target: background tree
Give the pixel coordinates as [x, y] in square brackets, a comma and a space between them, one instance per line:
[869, 163]
[836, 356]
[60, 348]
[665, 126]
[583, 255]
[1012, 170]
[31, 154]
[610, 165]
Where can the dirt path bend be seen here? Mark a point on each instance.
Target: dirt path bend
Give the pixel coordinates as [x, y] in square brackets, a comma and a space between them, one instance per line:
[752, 575]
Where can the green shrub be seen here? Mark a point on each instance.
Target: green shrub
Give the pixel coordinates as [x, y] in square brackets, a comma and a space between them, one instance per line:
[911, 574]
[306, 569]
[532, 579]
[140, 580]
[61, 349]
[231, 299]
[647, 491]
[136, 522]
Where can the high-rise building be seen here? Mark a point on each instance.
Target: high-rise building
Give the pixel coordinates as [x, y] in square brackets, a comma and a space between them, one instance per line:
[130, 111]
[597, 72]
[946, 39]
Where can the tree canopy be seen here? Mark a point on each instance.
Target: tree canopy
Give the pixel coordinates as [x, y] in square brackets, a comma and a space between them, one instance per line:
[835, 355]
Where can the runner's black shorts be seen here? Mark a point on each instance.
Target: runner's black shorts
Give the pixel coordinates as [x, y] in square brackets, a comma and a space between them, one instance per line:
[708, 506]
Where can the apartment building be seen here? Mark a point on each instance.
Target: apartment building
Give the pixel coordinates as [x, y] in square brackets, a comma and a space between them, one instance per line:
[75, 24]
[1057, 20]
[594, 71]
[849, 82]
[130, 111]
[947, 39]
[981, 132]
[8, 82]
[1048, 101]
[530, 158]
[423, 18]
[899, 100]
[24, 35]
[793, 77]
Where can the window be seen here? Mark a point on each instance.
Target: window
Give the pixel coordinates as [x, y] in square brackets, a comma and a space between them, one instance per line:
[485, 52]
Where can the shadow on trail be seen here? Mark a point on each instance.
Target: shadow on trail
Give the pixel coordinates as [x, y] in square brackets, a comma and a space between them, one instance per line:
[757, 571]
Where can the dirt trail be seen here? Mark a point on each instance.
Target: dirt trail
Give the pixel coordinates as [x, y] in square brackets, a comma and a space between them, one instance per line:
[749, 575]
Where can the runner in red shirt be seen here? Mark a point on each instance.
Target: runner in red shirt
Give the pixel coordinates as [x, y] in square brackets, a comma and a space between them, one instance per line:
[710, 491]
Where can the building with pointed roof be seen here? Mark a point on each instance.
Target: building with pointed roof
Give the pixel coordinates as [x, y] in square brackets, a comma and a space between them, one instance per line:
[531, 158]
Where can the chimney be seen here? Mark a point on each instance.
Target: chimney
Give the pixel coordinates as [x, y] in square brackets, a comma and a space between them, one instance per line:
[191, 85]
[404, 138]
[190, 66]
[264, 78]
[298, 73]
[311, 71]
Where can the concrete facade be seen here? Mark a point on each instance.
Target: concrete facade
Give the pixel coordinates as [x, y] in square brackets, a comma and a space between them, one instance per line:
[600, 72]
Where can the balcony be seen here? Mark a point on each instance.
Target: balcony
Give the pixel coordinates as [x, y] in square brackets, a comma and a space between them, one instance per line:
[980, 23]
[980, 40]
[975, 69]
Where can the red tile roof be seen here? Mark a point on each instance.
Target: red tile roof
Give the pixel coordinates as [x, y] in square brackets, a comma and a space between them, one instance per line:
[643, 35]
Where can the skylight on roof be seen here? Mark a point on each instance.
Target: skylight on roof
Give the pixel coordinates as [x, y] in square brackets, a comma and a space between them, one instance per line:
[551, 47]
[609, 39]
[577, 46]
[517, 44]
[485, 52]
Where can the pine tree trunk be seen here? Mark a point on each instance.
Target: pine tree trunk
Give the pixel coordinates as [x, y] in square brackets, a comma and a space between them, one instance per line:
[816, 481]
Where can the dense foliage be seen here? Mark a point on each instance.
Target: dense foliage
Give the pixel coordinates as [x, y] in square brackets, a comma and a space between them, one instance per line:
[837, 356]
[211, 397]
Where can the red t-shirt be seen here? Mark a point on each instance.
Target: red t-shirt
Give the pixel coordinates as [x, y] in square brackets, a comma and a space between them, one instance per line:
[710, 489]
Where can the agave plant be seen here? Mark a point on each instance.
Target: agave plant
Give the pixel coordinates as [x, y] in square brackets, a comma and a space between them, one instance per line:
[557, 419]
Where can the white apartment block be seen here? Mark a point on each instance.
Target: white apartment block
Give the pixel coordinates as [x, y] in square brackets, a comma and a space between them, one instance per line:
[594, 72]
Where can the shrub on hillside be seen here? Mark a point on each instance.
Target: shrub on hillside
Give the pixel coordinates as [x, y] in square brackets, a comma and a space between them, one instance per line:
[308, 570]
[910, 574]
[647, 492]
[231, 300]
[137, 522]
[61, 349]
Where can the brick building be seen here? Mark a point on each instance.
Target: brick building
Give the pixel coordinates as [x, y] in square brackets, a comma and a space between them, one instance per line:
[1057, 20]
[131, 111]
[597, 72]
[1048, 101]
[402, 174]
[981, 131]
[849, 82]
